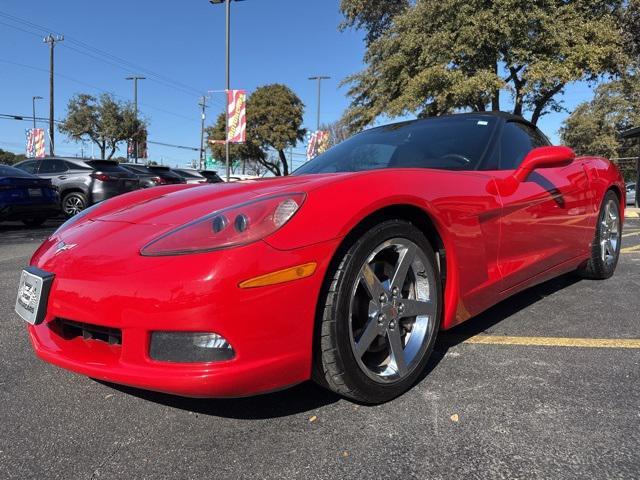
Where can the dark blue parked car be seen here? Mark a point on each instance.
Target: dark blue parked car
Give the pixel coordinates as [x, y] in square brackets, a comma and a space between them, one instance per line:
[27, 198]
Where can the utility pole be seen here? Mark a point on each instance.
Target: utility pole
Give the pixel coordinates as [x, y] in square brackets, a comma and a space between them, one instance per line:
[33, 105]
[203, 105]
[51, 40]
[135, 79]
[319, 78]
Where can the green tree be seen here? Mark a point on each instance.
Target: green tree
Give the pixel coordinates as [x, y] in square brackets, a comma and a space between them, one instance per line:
[9, 158]
[338, 132]
[594, 127]
[438, 56]
[274, 121]
[103, 120]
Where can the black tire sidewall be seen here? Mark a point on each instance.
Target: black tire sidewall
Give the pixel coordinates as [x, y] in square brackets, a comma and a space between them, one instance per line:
[353, 376]
[79, 195]
[601, 267]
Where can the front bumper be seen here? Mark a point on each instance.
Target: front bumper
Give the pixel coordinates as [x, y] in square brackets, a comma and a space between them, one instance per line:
[270, 328]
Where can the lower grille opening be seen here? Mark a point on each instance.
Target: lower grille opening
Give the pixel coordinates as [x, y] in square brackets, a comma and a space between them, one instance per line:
[69, 330]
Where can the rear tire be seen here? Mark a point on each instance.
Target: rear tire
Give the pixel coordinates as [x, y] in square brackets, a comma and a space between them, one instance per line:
[605, 249]
[369, 346]
[73, 203]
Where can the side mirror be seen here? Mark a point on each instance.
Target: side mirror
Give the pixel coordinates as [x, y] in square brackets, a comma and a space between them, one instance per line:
[544, 157]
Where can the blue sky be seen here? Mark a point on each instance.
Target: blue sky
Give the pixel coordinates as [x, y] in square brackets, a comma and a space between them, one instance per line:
[282, 41]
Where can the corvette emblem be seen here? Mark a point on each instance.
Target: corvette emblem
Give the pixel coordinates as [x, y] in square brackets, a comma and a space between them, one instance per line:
[62, 246]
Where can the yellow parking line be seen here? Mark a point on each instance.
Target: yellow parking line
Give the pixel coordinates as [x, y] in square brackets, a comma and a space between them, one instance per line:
[555, 341]
[630, 234]
[632, 214]
[634, 249]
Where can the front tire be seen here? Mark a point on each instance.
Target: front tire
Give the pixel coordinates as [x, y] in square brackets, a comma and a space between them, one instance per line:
[605, 249]
[381, 315]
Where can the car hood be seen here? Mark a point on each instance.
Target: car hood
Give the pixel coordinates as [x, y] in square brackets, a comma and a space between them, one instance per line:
[176, 205]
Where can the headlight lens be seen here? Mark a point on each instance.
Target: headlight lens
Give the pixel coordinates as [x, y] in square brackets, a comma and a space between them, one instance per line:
[231, 227]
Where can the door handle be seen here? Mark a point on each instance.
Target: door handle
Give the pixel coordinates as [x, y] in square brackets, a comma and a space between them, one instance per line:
[62, 177]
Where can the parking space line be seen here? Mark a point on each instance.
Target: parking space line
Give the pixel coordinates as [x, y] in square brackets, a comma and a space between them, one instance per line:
[634, 249]
[555, 341]
[630, 234]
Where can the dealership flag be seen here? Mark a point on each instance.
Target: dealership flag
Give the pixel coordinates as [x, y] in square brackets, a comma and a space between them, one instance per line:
[237, 116]
[318, 144]
[35, 143]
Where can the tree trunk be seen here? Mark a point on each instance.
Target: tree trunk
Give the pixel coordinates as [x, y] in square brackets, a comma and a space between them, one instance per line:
[103, 150]
[272, 167]
[495, 99]
[542, 101]
[285, 164]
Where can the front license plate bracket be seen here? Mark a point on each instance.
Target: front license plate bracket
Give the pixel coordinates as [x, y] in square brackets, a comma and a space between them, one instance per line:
[33, 294]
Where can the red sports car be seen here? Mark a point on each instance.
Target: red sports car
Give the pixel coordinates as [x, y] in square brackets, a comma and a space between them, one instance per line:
[343, 272]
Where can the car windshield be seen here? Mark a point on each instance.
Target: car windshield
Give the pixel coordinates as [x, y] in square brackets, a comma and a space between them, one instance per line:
[7, 171]
[449, 143]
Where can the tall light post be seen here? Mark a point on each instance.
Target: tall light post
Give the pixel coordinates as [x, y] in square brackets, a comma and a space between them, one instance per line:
[33, 105]
[203, 105]
[51, 40]
[228, 79]
[135, 79]
[319, 79]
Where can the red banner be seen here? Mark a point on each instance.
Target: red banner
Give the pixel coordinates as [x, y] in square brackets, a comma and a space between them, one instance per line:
[237, 116]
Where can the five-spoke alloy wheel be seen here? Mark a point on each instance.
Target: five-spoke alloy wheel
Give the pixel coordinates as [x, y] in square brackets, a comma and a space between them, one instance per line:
[381, 314]
[605, 247]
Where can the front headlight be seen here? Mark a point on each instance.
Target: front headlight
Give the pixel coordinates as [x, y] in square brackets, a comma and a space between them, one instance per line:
[231, 227]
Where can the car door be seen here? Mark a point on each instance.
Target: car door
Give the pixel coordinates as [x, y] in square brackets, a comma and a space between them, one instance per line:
[545, 221]
[53, 169]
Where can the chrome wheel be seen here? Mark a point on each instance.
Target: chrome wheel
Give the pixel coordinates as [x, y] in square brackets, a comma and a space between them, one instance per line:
[392, 314]
[72, 205]
[609, 232]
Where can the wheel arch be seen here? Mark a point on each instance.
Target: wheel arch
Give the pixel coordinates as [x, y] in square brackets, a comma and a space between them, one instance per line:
[69, 190]
[425, 222]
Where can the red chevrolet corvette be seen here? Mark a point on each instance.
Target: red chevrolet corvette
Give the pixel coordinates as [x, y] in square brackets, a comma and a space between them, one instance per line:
[343, 272]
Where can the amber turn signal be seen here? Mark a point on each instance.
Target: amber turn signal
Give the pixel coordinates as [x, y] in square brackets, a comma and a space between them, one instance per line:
[281, 276]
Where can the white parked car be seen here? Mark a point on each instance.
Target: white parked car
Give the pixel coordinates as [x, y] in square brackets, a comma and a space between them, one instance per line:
[631, 193]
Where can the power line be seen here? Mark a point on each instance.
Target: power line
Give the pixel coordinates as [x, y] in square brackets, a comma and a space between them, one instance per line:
[29, 118]
[103, 56]
[94, 87]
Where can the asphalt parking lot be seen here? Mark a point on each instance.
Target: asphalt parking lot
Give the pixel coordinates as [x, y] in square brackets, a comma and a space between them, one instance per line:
[498, 402]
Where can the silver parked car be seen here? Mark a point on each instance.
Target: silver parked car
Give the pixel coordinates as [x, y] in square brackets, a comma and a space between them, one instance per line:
[191, 175]
[631, 193]
[82, 183]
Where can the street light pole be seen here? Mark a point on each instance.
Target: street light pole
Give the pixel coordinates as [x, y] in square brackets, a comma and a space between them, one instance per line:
[228, 75]
[33, 105]
[319, 78]
[51, 40]
[135, 79]
[203, 104]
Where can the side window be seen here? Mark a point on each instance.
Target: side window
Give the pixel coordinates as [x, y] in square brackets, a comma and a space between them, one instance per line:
[516, 142]
[52, 166]
[29, 166]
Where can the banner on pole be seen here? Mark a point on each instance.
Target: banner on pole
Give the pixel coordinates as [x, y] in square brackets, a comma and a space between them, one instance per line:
[318, 144]
[237, 116]
[35, 143]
